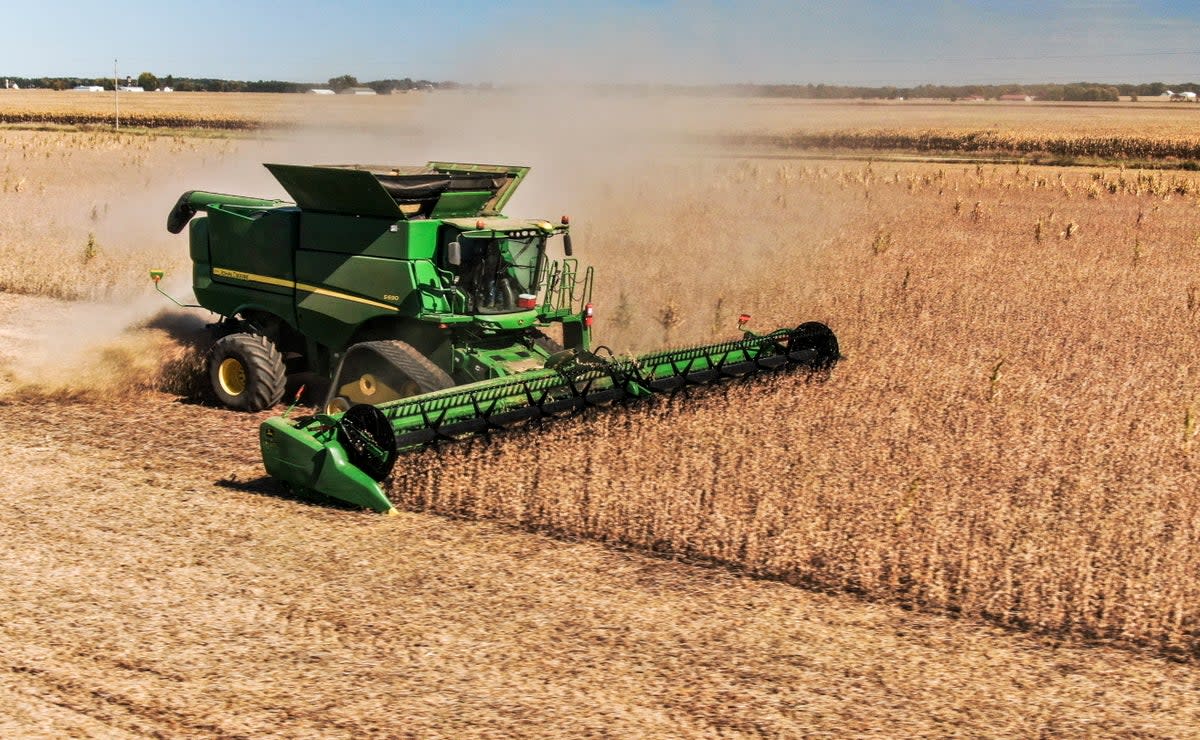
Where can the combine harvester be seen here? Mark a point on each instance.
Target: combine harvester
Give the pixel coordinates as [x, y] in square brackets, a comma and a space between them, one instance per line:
[424, 308]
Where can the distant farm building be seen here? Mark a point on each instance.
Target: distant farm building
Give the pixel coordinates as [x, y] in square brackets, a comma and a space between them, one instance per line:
[358, 91]
[1185, 97]
[131, 88]
[972, 98]
[320, 91]
[1017, 97]
[88, 88]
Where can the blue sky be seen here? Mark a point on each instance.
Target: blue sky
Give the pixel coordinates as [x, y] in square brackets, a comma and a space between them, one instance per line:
[869, 42]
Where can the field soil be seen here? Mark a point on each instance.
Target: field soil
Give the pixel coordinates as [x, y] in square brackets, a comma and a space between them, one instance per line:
[157, 585]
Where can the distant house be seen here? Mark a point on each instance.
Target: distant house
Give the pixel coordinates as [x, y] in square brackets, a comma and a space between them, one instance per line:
[131, 88]
[358, 91]
[88, 88]
[1017, 97]
[320, 91]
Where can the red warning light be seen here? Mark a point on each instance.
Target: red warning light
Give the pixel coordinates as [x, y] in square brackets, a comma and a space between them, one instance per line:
[566, 219]
[743, 320]
[589, 315]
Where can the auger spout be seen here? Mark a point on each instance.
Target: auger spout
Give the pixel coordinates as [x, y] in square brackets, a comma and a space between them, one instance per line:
[346, 456]
[194, 201]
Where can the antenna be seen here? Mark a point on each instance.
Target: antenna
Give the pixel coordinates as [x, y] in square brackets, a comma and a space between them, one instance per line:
[116, 98]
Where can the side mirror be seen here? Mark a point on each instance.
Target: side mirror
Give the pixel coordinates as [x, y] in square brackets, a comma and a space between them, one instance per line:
[567, 250]
[454, 253]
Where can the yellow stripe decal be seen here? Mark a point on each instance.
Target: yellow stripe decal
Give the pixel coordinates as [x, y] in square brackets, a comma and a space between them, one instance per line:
[343, 296]
[250, 277]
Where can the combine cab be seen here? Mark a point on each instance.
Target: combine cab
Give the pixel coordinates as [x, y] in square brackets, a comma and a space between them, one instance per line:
[424, 310]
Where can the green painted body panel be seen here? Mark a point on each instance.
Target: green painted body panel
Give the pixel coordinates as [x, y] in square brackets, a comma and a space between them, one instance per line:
[228, 295]
[498, 322]
[428, 284]
[373, 237]
[249, 241]
[198, 242]
[460, 204]
[229, 300]
[332, 320]
[336, 190]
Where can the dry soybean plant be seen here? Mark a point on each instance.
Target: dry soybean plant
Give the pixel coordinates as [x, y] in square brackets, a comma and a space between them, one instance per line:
[1008, 437]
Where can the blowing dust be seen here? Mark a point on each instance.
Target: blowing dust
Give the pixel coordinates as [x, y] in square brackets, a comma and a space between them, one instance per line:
[93, 351]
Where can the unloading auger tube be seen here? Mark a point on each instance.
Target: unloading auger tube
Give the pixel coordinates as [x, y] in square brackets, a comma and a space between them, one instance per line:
[345, 456]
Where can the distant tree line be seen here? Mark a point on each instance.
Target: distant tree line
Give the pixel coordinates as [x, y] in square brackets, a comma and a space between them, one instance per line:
[1070, 91]
[150, 81]
[1043, 91]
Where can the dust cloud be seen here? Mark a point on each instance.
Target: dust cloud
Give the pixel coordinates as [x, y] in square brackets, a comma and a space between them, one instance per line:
[616, 160]
[577, 142]
[51, 348]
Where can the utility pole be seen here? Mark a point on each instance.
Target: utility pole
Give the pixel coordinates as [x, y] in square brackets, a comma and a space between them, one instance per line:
[116, 98]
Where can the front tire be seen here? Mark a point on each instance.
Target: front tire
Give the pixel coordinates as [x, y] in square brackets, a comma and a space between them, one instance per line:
[246, 372]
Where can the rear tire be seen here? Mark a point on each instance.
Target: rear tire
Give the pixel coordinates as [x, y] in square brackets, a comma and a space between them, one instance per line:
[246, 372]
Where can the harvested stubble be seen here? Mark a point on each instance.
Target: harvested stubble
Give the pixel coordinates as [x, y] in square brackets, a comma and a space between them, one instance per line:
[1010, 437]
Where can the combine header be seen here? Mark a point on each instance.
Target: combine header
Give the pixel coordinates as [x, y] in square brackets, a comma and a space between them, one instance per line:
[423, 309]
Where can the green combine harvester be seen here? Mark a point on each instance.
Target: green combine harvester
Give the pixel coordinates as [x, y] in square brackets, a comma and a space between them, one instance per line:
[425, 312]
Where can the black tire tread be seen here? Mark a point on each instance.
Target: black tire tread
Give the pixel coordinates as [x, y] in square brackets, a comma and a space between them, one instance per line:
[427, 375]
[546, 342]
[266, 374]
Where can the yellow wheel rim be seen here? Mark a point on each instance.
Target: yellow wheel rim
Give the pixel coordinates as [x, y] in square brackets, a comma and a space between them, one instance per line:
[367, 385]
[232, 376]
